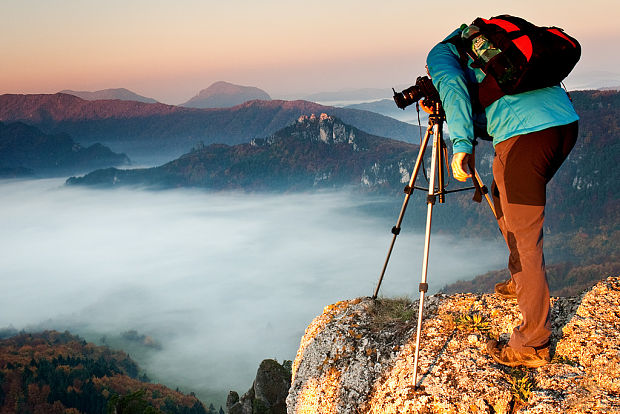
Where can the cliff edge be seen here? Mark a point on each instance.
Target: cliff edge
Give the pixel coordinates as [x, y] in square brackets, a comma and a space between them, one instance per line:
[357, 357]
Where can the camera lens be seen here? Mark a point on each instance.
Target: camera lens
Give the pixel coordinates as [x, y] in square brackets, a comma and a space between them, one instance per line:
[423, 88]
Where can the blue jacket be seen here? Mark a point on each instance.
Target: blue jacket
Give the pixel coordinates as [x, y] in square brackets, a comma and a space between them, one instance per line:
[507, 117]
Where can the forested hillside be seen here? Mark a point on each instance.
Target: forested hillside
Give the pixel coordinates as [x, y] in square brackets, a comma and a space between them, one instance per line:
[26, 150]
[53, 372]
[314, 152]
[582, 234]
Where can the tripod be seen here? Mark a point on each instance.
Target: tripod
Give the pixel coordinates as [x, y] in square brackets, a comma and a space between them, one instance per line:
[435, 128]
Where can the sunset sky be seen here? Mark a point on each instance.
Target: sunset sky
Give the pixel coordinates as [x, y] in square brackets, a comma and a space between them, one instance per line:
[169, 50]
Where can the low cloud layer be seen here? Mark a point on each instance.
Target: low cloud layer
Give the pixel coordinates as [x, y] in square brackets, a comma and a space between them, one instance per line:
[219, 281]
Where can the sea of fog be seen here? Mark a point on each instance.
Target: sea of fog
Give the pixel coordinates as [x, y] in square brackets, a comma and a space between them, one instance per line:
[219, 281]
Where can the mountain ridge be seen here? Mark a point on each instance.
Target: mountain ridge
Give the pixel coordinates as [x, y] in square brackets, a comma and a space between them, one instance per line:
[108, 94]
[143, 129]
[582, 194]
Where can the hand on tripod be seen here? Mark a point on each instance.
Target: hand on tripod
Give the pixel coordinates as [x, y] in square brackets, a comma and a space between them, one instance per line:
[460, 171]
[426, 106]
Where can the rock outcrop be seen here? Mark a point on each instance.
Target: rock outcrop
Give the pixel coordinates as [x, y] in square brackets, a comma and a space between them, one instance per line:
[268, 392]
[357, 357]
[323, 128]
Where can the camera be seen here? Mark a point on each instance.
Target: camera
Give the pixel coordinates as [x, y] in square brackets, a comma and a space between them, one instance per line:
[423, 89]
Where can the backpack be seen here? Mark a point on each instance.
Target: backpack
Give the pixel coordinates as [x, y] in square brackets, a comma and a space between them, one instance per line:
[516, 55]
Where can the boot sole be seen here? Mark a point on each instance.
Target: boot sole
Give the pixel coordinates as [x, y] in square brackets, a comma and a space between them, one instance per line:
[528, 364]
[506, 296]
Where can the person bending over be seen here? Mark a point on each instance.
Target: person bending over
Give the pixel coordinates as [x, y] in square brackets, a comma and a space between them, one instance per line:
[533, 133]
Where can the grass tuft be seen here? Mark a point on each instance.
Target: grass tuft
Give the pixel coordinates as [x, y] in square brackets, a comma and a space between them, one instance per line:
[396, 311]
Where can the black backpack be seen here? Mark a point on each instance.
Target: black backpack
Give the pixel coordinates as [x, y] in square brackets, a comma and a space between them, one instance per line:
[520, 56]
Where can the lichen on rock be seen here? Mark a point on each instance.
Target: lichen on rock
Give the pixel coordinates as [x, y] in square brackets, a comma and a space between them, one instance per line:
[357, 357]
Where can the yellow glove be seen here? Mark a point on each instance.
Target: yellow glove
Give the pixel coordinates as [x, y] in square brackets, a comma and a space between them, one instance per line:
[459, 166]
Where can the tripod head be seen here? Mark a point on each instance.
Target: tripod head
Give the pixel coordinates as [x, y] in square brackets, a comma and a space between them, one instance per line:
[435, 112]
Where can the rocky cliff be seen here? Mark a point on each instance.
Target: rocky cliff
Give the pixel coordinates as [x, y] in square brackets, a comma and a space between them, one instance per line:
[357, 357]
[268, 392]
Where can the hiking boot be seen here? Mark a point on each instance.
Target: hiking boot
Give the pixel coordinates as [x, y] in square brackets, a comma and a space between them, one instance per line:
[507, 289]
[505, 355]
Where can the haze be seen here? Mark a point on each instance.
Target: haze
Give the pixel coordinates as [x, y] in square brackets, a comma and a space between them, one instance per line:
[220, 281]
[169, 50]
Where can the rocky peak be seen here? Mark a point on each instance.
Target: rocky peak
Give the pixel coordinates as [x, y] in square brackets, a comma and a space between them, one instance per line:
[358, 357]
[324, 128]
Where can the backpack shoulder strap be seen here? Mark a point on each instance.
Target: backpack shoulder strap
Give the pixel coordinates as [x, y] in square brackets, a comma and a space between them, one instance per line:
[473, 88]
[484, 93]
[457, 42]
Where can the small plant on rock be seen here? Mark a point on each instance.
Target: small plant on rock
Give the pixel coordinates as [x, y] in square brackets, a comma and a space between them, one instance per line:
[561, 359]
[471, 323]
[521, 385]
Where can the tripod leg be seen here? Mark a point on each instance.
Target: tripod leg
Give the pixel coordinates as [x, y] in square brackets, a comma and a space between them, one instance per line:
[408, 190]
[486, 193]
[427, 241]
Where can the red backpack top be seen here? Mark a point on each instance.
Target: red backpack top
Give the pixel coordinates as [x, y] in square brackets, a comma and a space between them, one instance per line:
[517, 56]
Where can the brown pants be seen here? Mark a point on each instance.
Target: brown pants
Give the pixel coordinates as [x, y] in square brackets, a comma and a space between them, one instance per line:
[522, 167]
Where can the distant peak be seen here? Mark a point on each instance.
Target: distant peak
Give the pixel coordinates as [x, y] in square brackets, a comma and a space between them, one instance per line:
[223, 85]
[223, 94]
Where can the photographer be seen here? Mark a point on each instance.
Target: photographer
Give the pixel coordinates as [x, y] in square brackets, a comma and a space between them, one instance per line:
[533, 133]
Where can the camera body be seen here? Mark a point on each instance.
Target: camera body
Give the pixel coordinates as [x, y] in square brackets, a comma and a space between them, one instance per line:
[423, 89]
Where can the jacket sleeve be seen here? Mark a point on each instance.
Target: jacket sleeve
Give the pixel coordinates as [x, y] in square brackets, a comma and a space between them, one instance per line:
[450, 80]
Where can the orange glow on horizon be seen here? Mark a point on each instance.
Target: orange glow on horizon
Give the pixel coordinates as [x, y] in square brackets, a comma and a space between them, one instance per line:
[176, 49]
